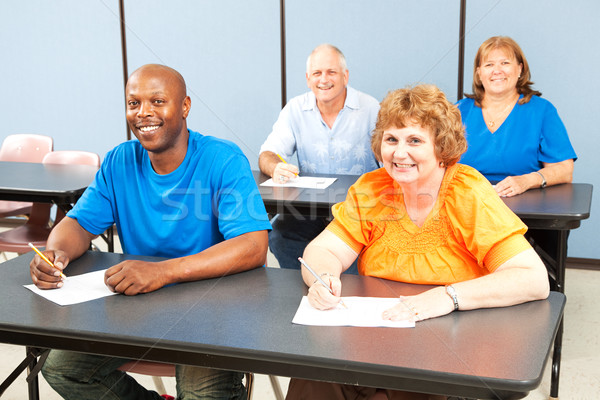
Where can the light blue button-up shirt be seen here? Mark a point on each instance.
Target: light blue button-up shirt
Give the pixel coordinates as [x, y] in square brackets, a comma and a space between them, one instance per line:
[345, 148]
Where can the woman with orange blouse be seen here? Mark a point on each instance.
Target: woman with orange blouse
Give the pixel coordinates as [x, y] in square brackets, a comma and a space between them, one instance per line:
[424, 219]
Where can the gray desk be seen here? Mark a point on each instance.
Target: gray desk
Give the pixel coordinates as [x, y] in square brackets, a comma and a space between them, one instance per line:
[557, 209]
[58, 184]
[44, 183]
[243, 322]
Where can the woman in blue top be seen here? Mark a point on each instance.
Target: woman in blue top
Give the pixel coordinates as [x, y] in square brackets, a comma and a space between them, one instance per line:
[516, 138]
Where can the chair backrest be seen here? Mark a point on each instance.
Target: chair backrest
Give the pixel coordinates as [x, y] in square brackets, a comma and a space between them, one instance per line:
[25, 147]
[72, 157]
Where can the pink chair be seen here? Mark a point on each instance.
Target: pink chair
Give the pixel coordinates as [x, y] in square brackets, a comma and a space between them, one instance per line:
[157, 370]
[37, 228]
[72, 157]
[23, 148]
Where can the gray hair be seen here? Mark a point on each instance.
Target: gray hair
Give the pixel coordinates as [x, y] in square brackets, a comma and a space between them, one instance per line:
[328, 46]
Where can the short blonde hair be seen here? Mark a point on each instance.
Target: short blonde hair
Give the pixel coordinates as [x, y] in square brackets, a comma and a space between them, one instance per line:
[428, 107]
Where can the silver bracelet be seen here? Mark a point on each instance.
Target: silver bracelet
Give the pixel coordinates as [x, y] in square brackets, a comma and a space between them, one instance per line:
[450, 291]
[543, 185]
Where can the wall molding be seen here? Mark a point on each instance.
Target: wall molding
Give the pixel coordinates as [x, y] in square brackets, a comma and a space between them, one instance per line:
[583, 263]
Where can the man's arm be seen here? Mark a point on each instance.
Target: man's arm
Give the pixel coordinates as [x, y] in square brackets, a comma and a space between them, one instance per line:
[237, 254]
[270, 164]
[67, 241]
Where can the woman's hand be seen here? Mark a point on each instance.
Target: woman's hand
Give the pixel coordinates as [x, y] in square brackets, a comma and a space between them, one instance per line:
[554, 174]
[430, 304]
[514, 185]
[320, 298]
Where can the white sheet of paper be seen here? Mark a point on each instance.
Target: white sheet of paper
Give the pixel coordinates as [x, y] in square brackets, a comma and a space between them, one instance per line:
[308, 182]
[361, 311]
[76, 289]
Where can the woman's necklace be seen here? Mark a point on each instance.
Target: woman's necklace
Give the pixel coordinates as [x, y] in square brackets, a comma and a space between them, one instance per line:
[501, 116]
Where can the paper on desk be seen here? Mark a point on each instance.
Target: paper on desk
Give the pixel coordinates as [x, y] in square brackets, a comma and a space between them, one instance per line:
[76, 289]
[308, 182]
[361, 311]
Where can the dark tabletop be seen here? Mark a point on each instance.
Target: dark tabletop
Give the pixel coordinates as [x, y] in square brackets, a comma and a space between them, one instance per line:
[556, 207]
[44, 182]
[243, 322]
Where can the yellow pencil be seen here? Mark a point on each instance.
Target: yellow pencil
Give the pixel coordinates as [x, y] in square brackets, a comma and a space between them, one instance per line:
[43, 257]
[282, 160]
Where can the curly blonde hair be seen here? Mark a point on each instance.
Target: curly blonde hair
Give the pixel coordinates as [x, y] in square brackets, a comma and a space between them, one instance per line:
[428, 107]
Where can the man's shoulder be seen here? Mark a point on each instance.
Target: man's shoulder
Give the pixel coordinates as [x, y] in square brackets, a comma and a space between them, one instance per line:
[205, 148]
[357, 99]
[130, 149]
[304, 101]
[212, 142]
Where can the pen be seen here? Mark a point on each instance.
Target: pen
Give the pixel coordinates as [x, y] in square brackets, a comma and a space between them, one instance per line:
[321, 281]
[43, 257]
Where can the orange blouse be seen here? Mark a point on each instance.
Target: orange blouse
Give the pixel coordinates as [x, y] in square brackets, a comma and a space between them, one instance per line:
[469, 232]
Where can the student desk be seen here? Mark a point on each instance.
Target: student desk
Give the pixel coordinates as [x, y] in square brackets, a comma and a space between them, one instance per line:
[44, 183]
[557, 208]
[58, 184]
[244, 322]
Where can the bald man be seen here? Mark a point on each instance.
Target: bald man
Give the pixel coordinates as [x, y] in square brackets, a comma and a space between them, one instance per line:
[164, 193]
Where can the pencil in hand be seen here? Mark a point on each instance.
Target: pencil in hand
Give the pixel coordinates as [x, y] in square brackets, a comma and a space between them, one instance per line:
[283, 161]
[43, 257]
[321, 281]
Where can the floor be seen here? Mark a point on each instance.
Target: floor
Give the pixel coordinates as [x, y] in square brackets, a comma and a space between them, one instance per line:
[580, 370]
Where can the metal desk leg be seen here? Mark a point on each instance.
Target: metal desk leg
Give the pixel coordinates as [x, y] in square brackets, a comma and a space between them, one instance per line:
[561, 261]
[33, 386]
[33, 366]
[556, 362]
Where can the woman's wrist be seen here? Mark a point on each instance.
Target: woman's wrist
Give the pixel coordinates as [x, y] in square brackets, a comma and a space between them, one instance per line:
[538, 175]
[322, 275]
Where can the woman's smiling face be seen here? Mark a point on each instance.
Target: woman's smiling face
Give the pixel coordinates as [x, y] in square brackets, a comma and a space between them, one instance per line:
[408, 154]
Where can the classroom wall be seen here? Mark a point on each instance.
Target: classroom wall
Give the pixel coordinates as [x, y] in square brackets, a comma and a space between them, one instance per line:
[62, 70]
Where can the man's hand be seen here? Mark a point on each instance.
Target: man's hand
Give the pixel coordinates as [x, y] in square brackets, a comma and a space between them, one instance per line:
[43, 275]
[132, 277]
[274, 166]
[284, 172]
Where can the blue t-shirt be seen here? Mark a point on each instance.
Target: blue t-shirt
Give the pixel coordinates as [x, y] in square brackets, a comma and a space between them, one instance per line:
[210, 197]
[532, 133]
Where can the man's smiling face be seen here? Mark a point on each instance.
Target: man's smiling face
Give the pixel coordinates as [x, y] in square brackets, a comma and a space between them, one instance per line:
[326, 78]
[156, 108]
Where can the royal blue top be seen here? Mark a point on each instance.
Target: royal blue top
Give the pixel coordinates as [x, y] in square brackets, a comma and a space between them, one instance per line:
[532, 133]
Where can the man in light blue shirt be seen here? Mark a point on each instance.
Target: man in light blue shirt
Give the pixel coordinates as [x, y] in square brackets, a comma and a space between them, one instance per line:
[329, 128]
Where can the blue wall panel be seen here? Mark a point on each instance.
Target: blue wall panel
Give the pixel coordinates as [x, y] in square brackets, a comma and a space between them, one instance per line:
[228, 52]
[388, 44]
[61, 72]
